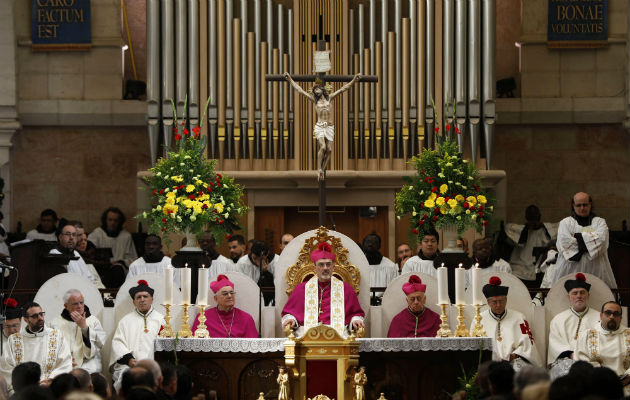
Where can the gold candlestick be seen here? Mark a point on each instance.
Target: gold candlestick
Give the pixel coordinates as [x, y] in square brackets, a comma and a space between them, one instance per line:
[167, 330]
[184, 329]
[461, 331]
[478, 330]
[202, 328]
[445, 329]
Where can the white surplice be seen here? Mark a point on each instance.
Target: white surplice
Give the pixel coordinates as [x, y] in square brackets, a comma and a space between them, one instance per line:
[246, 266]
[594, 261]
[605, 348]
[510, 334]
[33, 234]
[47, 348]
[565, 328]
[522, 259]
[140, 266]
[80, 267]
[382, 274]
[134, 334]
[499, 265]
[416, 264]
[122, 245]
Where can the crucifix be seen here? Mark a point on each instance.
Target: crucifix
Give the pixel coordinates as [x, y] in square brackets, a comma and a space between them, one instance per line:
[320, 94]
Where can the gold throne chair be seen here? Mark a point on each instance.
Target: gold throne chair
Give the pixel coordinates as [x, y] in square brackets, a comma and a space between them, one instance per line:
[322, 361]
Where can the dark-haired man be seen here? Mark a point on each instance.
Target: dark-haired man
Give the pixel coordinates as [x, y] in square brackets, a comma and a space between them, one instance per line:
[428, 252]
[47, 228]
[136, 332]
[608, 343]
[259, 265]
[68, 237]
[39, 343]
[112, 235]
[382, 269]
[583, 243]
[220, 264]
[237, 247]
[153, 259]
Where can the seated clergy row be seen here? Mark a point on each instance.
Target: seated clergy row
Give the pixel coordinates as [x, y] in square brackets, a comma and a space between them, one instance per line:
[75, 338]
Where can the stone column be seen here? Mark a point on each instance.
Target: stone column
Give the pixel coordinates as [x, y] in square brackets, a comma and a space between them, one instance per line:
[9, 123]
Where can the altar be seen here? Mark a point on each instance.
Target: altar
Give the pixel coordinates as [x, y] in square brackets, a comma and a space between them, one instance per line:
[415, 368]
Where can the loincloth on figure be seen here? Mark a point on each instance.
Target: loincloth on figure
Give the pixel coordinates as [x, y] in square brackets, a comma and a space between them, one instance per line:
[324, 130]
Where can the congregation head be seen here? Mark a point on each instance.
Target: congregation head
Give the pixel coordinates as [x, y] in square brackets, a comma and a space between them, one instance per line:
[501, 378]
[154, 367]
[169, 377]
[25, 374]
[100, 385]
[136, 377]
[582, 204]
[63, 384]
[112, 220]
[84, 378]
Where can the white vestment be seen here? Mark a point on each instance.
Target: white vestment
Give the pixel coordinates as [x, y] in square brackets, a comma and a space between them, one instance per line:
[416, 264]
[565, 328]
[605, 348]
[499, 265]
[522, 259]
[122, 245]
[33, 234]
[47, 348]
[134, 335]
[246, 266]
[84, 356]
[594, 261]
[382, 274]
[140, 266]
[5, 344]
[511, 334]
[80, 267]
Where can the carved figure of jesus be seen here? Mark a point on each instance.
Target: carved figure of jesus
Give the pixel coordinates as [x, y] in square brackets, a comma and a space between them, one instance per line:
[324, 129]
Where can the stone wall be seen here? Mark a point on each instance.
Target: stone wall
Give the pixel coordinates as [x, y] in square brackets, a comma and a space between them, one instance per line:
[547, 164]
[77, 171]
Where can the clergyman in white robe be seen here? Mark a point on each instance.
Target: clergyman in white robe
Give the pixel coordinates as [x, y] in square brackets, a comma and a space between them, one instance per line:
[80, 267]
[499, 265]
[522, 260]
[85, 344]
[588, 254]
[134, 338]
[383, 273]
[46, 347]
[122, 245]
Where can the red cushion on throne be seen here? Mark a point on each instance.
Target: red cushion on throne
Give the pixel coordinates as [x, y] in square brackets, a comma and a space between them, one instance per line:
[321, 378]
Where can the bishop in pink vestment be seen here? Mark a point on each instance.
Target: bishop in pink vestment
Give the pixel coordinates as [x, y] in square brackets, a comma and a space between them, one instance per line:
[323, 261]
[416, 320]
[225, 320]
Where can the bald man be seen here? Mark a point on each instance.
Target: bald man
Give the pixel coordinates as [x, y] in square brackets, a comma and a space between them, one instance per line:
[583, 243]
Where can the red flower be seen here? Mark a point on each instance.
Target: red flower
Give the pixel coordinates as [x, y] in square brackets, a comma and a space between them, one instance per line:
[175, 128]
[448, 127]
[221, 222]
[214, 211]
[480, 214]
[437, 210]
[421, 222]
[178, 136]
[154, 192]
[434, 189]
[186, 131]
[453, 194]
[422, 172]
[163, 219]
[465, 204]
[431, 179]
[485, 223]
[424, 216]
[426, 179]
[218, 184]
[228, 237]
[436, 129]
[421, 205]
[161, 191]
[480, 208]
[435, 218]
[415, 231]
[219, 176]
[209, 190]
[458, 131]
[447, 199]
[191, 197]
[204, 206]
[163, 229]
[211, 184]
[495, 281]
[196, 130]
[472, 209]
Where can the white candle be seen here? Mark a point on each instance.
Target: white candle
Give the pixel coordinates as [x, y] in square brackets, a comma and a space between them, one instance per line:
[460, 284]
[202, 293]
[168, 284]
[442, 275]
[476, 285]
[185, 279]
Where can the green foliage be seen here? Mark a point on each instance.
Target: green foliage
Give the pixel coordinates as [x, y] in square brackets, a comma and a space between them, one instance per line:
[445, 191]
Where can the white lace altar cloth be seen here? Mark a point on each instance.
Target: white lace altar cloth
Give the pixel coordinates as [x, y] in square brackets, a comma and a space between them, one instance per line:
[269, 345]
